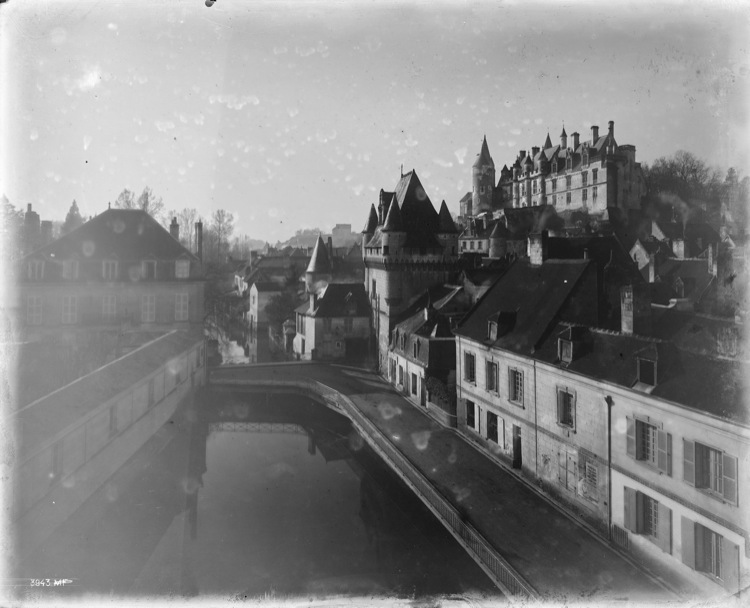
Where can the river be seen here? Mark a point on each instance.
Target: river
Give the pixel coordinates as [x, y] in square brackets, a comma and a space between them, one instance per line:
[239, 497]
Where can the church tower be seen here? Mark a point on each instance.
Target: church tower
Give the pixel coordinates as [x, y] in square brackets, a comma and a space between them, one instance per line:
[482, 180]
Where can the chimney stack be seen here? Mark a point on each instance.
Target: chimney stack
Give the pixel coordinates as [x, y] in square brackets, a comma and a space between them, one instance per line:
[594, 134]
[330, 248]
[576, 137]
[174, 229]
[635, 310]
[199, 240]
[611, 128]
[537, 248]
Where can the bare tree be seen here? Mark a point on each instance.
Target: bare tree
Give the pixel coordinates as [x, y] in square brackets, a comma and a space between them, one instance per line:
[147, 201]
[222, 225]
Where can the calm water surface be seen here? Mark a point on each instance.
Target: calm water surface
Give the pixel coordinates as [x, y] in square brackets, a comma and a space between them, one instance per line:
[240, 496]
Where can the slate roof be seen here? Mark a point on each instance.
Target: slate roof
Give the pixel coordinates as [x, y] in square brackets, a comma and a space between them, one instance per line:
[372, 221]
[335, 299]
[534, 294]
[122, 234]
[320, 262]
[445, 221]
[40, 421]
[484, 158]
[705, 383]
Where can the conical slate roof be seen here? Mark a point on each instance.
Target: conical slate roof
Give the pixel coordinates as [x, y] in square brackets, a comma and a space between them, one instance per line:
[320, 262]
[547, 142]
[372, 221]
[393, 221]
[563, 134]
[445, 221]
[484, 157]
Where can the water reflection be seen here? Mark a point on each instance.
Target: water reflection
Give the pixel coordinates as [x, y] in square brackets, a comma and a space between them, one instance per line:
[250, 496]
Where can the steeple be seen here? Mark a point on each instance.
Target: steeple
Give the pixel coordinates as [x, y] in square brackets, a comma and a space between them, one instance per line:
[393, 221]
[320, 263]
[484, 158]
[372, 221]
[548, 142]
[563, 139]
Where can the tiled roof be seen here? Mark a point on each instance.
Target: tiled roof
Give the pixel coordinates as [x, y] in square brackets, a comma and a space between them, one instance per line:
[445, 221]
[705, 383]
[122, 234]
[535, 294]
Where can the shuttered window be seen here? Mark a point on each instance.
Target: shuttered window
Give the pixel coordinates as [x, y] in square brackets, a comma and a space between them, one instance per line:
[646, 516]
[707, 551]
[650, 444]
[711, 470]
[566, 407]
[469, 367]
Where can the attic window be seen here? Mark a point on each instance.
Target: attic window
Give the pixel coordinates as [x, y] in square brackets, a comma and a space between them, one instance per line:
[646, 371]
[492, 330]
[182, 269]
[35, 270]
[148, 269]
[565, 350]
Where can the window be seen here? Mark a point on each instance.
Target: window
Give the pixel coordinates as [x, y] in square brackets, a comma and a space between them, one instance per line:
[566, 407]
[471, 245]
[594, 193]
[463, 244]
[567, 182]
[414, 384]
[469, 367]
[109, 270]
[182, 269]
[533, 187]
[34, 310]
[585, 195]
[148, 269]
[393, 370]
[650, 444]
[584, 179]
[515, 386]
[554, 185]
[567, 198]
[148, 308]
[711, 470]
[565, 350]
[492, 376]
[109, 307]
[386, 249]
[594, 175]
[492, 427]
[481, 189]
[181, 301]
[471, 414]
[373, 290]
[711, 553]
[70, 269]
[647, 516]
[35, 270]
[554, 167]
[400, 374]
[492, 330]
[479, 245]
[646, 371]
[70, 309]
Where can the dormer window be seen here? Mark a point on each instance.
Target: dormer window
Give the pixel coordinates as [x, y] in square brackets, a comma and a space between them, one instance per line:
[148, 269]
[35, 270]
[109, 270]
[492, 330]
[182, 269]
[565, 350]
[70, 269]
[554, 167]
[646, 371]
[403, 342]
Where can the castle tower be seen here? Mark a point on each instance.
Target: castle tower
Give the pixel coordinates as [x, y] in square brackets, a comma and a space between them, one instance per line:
[319, 270]
[483, 180]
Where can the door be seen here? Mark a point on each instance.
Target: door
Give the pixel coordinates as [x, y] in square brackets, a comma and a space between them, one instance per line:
[422, 394]
[516, 447]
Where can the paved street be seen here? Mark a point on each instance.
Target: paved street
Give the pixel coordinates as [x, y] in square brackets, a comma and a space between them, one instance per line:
[557, 556]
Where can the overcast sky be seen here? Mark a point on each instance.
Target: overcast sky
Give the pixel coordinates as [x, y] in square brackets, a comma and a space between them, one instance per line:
[293, 115]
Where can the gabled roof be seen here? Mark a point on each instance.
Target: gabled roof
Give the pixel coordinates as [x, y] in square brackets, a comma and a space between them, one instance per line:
[484, 158]
[122, 234]
[320, 262]
[466, 198]
[547, 142]
[372, 221]
[393, 221]
[536, 294]
[337, 299]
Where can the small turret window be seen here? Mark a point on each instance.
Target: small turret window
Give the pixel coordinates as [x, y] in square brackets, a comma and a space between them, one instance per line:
[647, 371]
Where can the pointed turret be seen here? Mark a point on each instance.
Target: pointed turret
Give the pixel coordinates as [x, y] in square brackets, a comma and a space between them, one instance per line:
[484, 159]
[318, 273]
[563, 139]
[393, 221]
[445, 221]
[547, 142]
[372, 221]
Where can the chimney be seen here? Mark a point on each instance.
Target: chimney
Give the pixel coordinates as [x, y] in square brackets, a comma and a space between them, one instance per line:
[576, 138]
[594, 134]
[713, 267]
[46, 232]
[534, 151]
[678, 247]
[537, 248]
[635, 310]
[174, 229]
[611, 128]
[652, 268]
[485, 221]
[330, 248]
[199, 240]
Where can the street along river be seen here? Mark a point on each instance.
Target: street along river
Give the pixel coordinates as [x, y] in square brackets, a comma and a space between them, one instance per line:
[240, 497]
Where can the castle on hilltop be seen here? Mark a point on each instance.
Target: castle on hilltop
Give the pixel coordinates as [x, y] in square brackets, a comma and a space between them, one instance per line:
[572, 175]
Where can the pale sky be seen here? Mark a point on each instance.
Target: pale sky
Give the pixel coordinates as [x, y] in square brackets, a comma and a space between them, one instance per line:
[293, 115]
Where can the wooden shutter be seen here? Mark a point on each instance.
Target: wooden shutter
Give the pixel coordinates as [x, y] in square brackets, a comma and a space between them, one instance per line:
[631, 437]
[664, 537]
[631, 510]
[688, 461]
[664, 452]
[560, 405]
[730, 565]
[730, 478]
[688, 542]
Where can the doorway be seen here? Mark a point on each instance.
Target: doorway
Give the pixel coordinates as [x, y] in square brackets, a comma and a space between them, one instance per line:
[516, 447]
